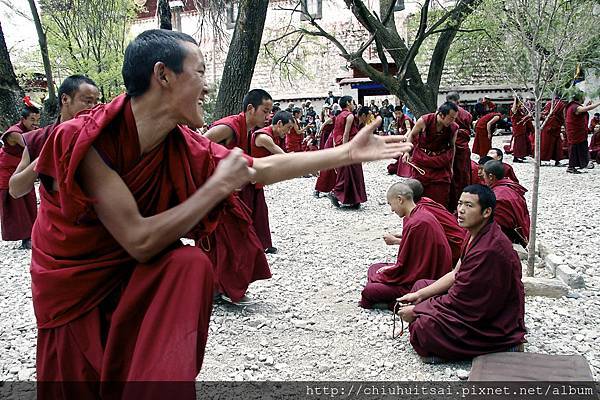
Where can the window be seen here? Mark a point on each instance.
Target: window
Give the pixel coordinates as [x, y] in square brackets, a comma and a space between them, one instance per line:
[399, 6]
[232, 12]
[312, 7]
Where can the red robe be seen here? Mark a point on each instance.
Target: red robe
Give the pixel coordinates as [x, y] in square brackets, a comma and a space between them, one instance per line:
[521, 128]
[595, 147]
[511, 211]
[325, 132]
[509, 172]
[475, 174]
[293, 140]
[101, 315]
[483, 143]
[433, 153]
[461, 176]
[483, 311]
[454, 233]
[16, 215]
[398, 167]
[327, 178]
[576, 126]
[551, 143]
[593, 122]
[237, 123]
[350, 182]
[424, 253]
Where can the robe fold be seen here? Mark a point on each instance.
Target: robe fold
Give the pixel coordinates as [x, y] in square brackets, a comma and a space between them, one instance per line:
[16, 215]
[325, 132]
[522, 127]
[101, 315]
[237, 123]
[350, 182]
[454, 233]
[293, 140]
[482, 143]
[509, 172]
[483, 311]
[424, 253]
[595, 147]
[327, 178]
[461, 175]
[511, 212]
[551, 143]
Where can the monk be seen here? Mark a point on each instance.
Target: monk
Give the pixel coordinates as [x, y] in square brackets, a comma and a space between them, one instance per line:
[434, 137]
[76, 93]
[480, 173]
[263, 145]
[461, 170]
[576, 125]
[595, 145]
[594, 121]
[454, 233]
[484, 129]
[17, 215]
[349, 190]
[117, 297]
[511, 211]
[497, 154]
[553, 116]
[522, 127]
[479, 307]
[424, 252]
[404, 124]
[326, 180]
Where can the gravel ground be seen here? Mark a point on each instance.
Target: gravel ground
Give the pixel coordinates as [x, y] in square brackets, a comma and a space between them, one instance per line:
[306, 323]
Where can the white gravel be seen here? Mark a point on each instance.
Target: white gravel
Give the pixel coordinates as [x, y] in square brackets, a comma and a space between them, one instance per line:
[306, 324]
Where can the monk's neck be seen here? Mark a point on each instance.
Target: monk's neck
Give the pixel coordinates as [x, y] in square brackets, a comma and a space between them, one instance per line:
[474, 231]
[152, 121]
[410, 208]
[250, 125]
[438, 125]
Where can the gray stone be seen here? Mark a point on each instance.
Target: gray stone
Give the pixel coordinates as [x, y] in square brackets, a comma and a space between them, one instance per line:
[520, 251]
[544, 287]
[570, 277]
[552, 262]
[542, 249]
[462, 374]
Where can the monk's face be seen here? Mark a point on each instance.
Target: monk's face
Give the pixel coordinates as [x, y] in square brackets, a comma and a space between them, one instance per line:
[448, 119]
[259, 114]
[281, 130]
[469, 211]
[396, 204]
[189, 89]
[494, 155]
[84, 98]
[481, 173]
[32, 121]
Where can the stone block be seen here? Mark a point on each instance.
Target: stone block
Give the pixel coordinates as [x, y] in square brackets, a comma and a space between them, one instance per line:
[552, 262]
[544, 287]
[520, 251]
[569, 276]
[543, 249]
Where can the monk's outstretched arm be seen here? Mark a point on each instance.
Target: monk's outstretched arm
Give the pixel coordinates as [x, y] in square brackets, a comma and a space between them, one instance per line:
[219, 133]
[144, 237]
[364, 147]
[22, 180]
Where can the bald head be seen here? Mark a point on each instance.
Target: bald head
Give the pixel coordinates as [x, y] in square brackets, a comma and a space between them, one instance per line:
[416, 187]
[494, 168]
[400, 189]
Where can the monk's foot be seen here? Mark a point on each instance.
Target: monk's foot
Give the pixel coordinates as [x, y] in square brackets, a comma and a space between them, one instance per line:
[353, 206]
[316, 194]
[271, 250]
[244, 301]
[573, 171]
[518, 160]
[557, 164]
[333, 200]
[25, 244]
[590, 165]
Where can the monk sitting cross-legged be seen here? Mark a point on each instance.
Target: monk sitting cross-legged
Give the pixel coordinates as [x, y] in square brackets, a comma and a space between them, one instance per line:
[117, 296]
[479, 307]
[424, 252]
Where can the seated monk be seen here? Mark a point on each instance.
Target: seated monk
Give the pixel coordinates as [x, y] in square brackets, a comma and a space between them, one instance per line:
[475, 172]
[480, 165]
[479, 307]
[595, 144]
[424, 252]
[117, 296]
[511, 207]
[454, 233]
[509, 172]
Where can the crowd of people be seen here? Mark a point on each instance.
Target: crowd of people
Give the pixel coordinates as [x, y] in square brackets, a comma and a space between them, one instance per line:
[118, 297]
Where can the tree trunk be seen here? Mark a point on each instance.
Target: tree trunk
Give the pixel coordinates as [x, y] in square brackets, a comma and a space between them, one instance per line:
[535, 191]
[241, 57]
[10, 91]
[164, 15]
[51, 104]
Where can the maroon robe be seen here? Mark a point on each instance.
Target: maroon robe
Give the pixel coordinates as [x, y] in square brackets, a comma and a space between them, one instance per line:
[454, 233]
[551, 143]
[293, 140]
[509, 172]
[484, 309]
[433, 153]
[16, 215]
[237, 123]
[595, 147]
[461, 176]
[424, 253]
[511, 211]
[327, 178]
[103, 316]
[350, 182]
[35, 140]
[521, 128]
[325, 132]
[576, 128]
[483, 143]
[475, 174]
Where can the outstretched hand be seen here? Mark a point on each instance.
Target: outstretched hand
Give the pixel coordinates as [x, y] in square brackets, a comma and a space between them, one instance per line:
[369, 147]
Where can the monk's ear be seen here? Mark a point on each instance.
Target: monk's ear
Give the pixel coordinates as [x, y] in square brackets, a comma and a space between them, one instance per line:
[487, 213]
[161, 73]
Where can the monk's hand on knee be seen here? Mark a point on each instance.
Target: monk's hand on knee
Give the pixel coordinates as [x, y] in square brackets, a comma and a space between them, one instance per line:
[383, 269]
[407, 313]
[233, 171]
[390, 240]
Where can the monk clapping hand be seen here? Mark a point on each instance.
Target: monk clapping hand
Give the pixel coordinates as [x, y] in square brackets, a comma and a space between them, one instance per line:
[369, 147]
[233, 171]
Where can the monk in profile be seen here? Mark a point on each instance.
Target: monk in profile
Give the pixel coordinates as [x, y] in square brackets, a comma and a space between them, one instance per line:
[479, 307]
[424, 252]
[484, 129]
[498, 155]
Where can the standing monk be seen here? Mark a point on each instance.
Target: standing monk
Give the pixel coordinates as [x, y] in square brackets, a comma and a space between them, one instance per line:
[349, 188]
[521, 129]
[116, 295]
[17, 215]
[404, 124]
[461, 176]
[551, 143]
[576, 124]
[76, 93]
[424, 252]
[434, 136]
[484, 129]
[479, 307]
[326, 180]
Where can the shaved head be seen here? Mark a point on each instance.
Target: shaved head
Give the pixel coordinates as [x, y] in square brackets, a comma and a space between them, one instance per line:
[495, 168]
[416, 187]
[400, 189]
